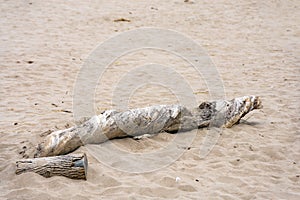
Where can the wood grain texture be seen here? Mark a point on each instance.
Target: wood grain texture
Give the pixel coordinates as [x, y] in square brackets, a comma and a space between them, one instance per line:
[72, 166]
[150, 120]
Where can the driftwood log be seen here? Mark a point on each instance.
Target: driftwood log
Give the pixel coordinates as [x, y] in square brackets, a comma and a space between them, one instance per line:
[72, 166]
[150, 120]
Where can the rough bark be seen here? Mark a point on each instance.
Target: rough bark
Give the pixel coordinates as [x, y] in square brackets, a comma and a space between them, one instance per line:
[150, 120]
[71, 166]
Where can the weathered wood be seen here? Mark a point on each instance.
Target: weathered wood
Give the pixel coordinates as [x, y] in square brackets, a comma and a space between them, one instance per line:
[151, 120]
[72, 166]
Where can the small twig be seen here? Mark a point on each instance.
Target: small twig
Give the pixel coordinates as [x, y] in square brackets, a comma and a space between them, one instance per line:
[121, 20]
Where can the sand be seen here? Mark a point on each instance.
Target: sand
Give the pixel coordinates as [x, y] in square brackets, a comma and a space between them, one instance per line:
[253, 44]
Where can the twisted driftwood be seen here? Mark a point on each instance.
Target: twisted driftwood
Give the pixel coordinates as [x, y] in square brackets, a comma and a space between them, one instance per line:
[150, 120]
[71, 166]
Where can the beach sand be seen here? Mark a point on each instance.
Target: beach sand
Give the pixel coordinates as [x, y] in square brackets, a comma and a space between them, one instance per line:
[254, 46]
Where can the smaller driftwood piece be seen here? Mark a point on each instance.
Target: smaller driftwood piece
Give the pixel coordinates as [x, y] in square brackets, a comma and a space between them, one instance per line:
[72, 166]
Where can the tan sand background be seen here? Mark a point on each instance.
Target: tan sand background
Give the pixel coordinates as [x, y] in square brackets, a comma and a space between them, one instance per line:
[255, 46]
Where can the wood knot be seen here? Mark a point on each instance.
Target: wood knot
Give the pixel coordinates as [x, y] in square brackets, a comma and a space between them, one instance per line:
[205, 105]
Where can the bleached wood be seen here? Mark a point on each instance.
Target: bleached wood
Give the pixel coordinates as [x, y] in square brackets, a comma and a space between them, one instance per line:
[150, 120]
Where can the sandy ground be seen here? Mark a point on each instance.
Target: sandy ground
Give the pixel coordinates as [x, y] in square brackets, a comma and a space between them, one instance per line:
[255, 46]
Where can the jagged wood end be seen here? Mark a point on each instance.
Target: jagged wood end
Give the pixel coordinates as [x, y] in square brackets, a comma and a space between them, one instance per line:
[59, 143]
[240, 107]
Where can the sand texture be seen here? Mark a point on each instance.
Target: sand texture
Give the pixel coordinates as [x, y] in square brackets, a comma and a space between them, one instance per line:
[253, 44]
